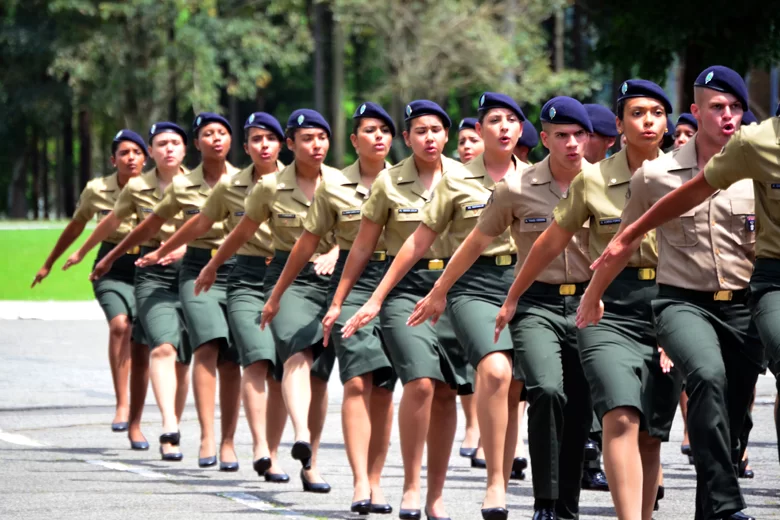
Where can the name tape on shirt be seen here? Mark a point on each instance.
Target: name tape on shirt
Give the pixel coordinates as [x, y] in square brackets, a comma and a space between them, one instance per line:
[536, 220]
[285, 215]
[192, 211]
[610, 221]
[348, 212]
[105, 211]
[146, 210]
[408, 210]
[474, 207]
[239, 213]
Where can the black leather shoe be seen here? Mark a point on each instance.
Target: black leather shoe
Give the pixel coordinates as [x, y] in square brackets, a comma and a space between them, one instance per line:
[658, 496]
[312, 487]
[381, 509]
[409, 514]
[171, 457]
[277, 478]
[228, 466]
[517, 475]
[739, 515]
[139, 445]
[120, 427]
[478, 463]
[591, 450]
[262, 465]
[301, 451]
[362, 507]
[170, 438]
[429, 517]
[685, 449]
[467, 452]
[519, 464]
[594, 480]
[744, 472]
[207, 462]
[545, 514]
[495, 513]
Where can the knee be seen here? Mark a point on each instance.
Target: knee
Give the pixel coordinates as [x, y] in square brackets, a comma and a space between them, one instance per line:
[494, 372]
[119, 327]
[420, 390]
[163, 351]
[621, 421]
[444, 397]
[207, 353]
[707, 378]
[357, 386]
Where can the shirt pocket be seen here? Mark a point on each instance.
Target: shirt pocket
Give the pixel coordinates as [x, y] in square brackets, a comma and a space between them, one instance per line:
[350, 215]
[535, 224]
[608, 225]
[681, 232]
[287, 220]
[408, 214]
[470, 209]
[743, 220]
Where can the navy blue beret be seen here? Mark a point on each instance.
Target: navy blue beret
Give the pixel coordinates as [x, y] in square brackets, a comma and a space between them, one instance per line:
[424, 107]
[374, 110]
[602, 120]
[634, 88]
[166, 126]
[688, 119]
[128, 135]
[490, 100]
[265, 121]
[468, 122]
[723, 79]
[564, 110]
[307, 118]
[206, 118]
[530, 137]
[748, 118]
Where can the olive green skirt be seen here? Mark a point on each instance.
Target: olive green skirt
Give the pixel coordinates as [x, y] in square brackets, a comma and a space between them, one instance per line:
[114, 291]
[298, 325]
[206, 313]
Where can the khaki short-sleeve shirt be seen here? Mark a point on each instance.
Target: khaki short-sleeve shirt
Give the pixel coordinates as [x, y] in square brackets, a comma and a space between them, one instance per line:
[98, 198]
[458, 201]
[397, 202]
[187, 194]
[139, 197]
[709, 248]
[754, 153]
[597, 196]
[337, 207]
[524, 202]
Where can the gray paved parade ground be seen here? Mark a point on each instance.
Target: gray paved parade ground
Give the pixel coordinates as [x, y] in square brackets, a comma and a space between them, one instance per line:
[59, 459]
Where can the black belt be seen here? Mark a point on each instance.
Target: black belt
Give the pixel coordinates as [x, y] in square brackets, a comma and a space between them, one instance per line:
[554, 289]
[376, 256]
[703, 297]
[436, 264]
[499, 260]
[645, 274]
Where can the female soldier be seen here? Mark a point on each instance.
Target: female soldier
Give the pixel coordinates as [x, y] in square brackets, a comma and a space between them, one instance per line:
[457, 202]
[619, 354]
[262, 141]
[206, 324]
[366, 372]
[469, 145]
[429, 370]
[115, 293]
[686, 127]
[296, 332]
[157, 287]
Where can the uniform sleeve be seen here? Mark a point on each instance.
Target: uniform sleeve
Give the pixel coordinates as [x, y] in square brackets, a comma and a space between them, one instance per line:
[497, 215]
[124, 205]
[637, 198]
[85, 210]
[377, 207]
[320, 219]
[258, 203]
[729, 165]
[572, 212]
[169, 206]
[214, 208]
[438, 214]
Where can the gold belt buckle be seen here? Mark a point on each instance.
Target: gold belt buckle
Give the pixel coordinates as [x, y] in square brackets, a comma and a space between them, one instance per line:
[723, 296]
[503, 260]
[435, 265]
[647, 273]
[134, 251]
[567, 289]
[214, 252]
[379, 256]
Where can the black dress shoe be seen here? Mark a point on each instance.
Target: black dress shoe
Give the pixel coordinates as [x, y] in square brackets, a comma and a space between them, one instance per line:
[314, 487]
[519, 464]
[685, 449]
[591, 450]
[658, 496]
[594, 480]
[517, 475]
[301, 451]
[430, 517]
[744, 472]
[262, 465]
[362, 507]
[546, 513]
[171, 457]
[120, 427]
[277, 478]
[170, 438]
[478, 463]
[739, 515]
[467, 452]
[207, 462]
[139, 445]
[495, 513]
[381, 509]
[409, 514]
[228, 466]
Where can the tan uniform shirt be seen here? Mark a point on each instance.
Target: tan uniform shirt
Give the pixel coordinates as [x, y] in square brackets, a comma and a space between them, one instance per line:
[397, 201]
[139, 197]
[709, 248]
[98, 198]
[286, 207]
[597, 195]
[187, 194]
[754, 153]
[337, 207]
[524, 202]
[459, 199]
[226, 203]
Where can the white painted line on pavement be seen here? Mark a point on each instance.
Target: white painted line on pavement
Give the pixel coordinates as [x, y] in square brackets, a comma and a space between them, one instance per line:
[21, 440]
[253, 502]
[118, 466]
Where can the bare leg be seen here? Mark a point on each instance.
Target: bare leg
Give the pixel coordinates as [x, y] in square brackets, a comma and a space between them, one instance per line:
[119, 332]
[381, 410]
[520, 447]
[469, 405]
[440, 440]
[204, 377]
[623, 462]
[164, 385]
[514, 422]
[275, 420]
[182, 388]
[414, 417]
[650, 451]
[139, 383]
[296, 388]
[253, 384]
[356, 425]
[684, 411]
[229, 407]
[318, 411]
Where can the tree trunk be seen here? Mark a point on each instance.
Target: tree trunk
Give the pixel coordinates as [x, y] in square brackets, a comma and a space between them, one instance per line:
[319, 57]
[17, 191]
[85, 149]
[173, 108]
[559, 40]
[68, 171]
[36, 173]
[336, 92]
[358, 58]
[45, 175]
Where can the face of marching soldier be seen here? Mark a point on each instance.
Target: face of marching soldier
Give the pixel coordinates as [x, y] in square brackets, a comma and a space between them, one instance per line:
[168, 149]
[719, 114]
[213, 141]
[470, 144]
[372, 139]
[500, 129]
[310, 146]
[597, 146]
[566, 144]
[262, 146]
[683, 134]
[128, 159]
[643, 122]
[426, 137]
